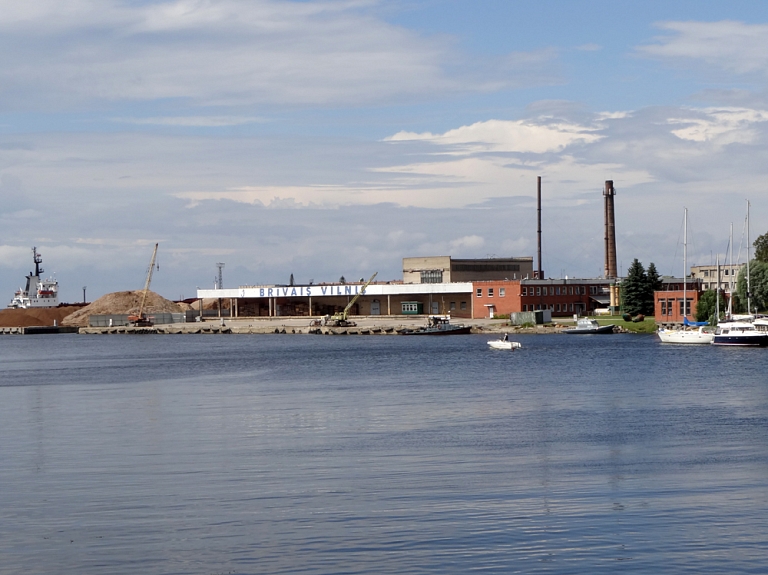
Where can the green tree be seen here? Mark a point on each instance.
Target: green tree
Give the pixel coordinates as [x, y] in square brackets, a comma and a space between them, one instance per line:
[705, 309]
[635, 289]
[758, 280]
[653, 283]
[761, 248]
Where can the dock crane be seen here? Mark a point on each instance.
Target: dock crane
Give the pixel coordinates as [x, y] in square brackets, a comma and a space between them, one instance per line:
[341, 319]
[140, 319]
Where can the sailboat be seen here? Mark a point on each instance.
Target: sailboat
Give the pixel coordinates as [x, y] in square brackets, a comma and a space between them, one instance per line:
[742, 330]
[686, 334]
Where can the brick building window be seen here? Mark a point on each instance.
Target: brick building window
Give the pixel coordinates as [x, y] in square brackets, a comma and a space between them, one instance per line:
[490, 292]
[479, 292]
[502, 292]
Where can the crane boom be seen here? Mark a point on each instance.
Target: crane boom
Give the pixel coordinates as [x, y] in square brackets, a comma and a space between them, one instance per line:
[342, 316]
[139, 318]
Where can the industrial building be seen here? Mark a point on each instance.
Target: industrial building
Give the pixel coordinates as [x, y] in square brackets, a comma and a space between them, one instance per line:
[444, 269]
[464, 288]
[466, 299]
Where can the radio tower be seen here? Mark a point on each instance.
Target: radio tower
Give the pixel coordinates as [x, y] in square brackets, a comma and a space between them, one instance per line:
[220, 284]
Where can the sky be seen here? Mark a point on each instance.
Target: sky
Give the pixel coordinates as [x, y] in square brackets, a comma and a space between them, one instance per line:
[333, 138]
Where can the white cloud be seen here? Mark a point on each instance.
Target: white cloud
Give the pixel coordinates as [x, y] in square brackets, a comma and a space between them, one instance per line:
[508, 136]
[722, 126]
[232, 52]
[734, 47]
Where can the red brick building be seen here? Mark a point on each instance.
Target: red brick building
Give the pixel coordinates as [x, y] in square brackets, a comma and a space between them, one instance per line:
[668, 302]
[563, 297]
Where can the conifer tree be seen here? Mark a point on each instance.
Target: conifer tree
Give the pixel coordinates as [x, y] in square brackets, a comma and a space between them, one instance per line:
[653, 284]
[635, 289]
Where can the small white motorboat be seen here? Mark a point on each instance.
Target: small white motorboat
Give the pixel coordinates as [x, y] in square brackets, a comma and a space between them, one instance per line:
[504, 343]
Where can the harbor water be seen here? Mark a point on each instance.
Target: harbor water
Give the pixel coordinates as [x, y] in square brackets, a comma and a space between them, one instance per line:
[306, 454]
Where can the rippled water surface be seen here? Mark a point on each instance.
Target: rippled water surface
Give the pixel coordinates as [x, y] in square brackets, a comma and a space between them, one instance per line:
[381, 454]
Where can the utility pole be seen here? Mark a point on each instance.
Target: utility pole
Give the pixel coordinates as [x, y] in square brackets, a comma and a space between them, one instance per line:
[84, 293]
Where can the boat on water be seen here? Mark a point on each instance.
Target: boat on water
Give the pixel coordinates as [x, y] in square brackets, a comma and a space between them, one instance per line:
[438, 325]
[37, 293]
[504, 343]
[690, 332]
[745, 331]
[695, 333]
[586, 326]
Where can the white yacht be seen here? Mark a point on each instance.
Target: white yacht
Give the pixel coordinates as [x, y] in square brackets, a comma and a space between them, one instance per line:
[742, 330]
[686, 335]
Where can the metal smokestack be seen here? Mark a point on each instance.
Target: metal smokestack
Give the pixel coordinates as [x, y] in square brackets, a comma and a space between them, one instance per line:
[539, 273]
[610, 231]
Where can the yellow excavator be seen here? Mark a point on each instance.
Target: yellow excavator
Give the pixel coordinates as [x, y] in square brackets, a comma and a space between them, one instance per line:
[341, 319]
[140, 319]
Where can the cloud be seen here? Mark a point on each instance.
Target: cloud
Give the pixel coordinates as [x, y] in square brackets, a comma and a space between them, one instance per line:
[722, 126]
[733, 47]
[233, 52]
[507, 136]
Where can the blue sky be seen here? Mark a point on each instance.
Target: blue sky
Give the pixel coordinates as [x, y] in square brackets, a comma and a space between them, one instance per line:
[335, 138]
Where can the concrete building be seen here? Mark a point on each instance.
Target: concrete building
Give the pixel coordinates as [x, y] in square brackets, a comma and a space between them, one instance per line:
[708, 275]
[444, 269]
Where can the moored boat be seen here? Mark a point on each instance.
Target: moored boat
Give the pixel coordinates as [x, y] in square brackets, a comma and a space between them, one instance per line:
[586, 326]
[438, 325]
[741, 331]
[685, 336]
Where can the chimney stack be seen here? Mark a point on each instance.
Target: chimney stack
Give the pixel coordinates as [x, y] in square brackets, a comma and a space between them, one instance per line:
[610, 232]
[540, 272]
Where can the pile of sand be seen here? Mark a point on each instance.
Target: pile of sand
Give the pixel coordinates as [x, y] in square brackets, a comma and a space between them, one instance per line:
[123, 302]
[35, 316]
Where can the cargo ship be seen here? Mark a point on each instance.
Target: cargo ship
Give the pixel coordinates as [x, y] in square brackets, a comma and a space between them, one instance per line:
[37, 293]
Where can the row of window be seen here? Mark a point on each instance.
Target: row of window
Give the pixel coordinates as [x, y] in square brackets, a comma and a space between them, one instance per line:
[502, 292]
[559, 290]
[722, 272]
[556, 307]
[668, 305]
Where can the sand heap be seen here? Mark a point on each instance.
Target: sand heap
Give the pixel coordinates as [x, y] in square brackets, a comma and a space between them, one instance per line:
[122, 302]
[35, 316]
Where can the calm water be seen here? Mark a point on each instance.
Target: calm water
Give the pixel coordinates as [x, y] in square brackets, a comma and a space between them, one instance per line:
[311, 454]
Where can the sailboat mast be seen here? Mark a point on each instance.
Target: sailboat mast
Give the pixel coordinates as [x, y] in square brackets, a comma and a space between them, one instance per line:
[749, 302]
[730, 278]
[717, 293]
[685, 263]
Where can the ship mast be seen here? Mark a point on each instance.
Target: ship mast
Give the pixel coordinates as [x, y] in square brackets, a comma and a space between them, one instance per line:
[37, 258]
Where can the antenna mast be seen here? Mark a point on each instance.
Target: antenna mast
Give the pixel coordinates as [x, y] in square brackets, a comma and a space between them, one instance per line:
[220, 283]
